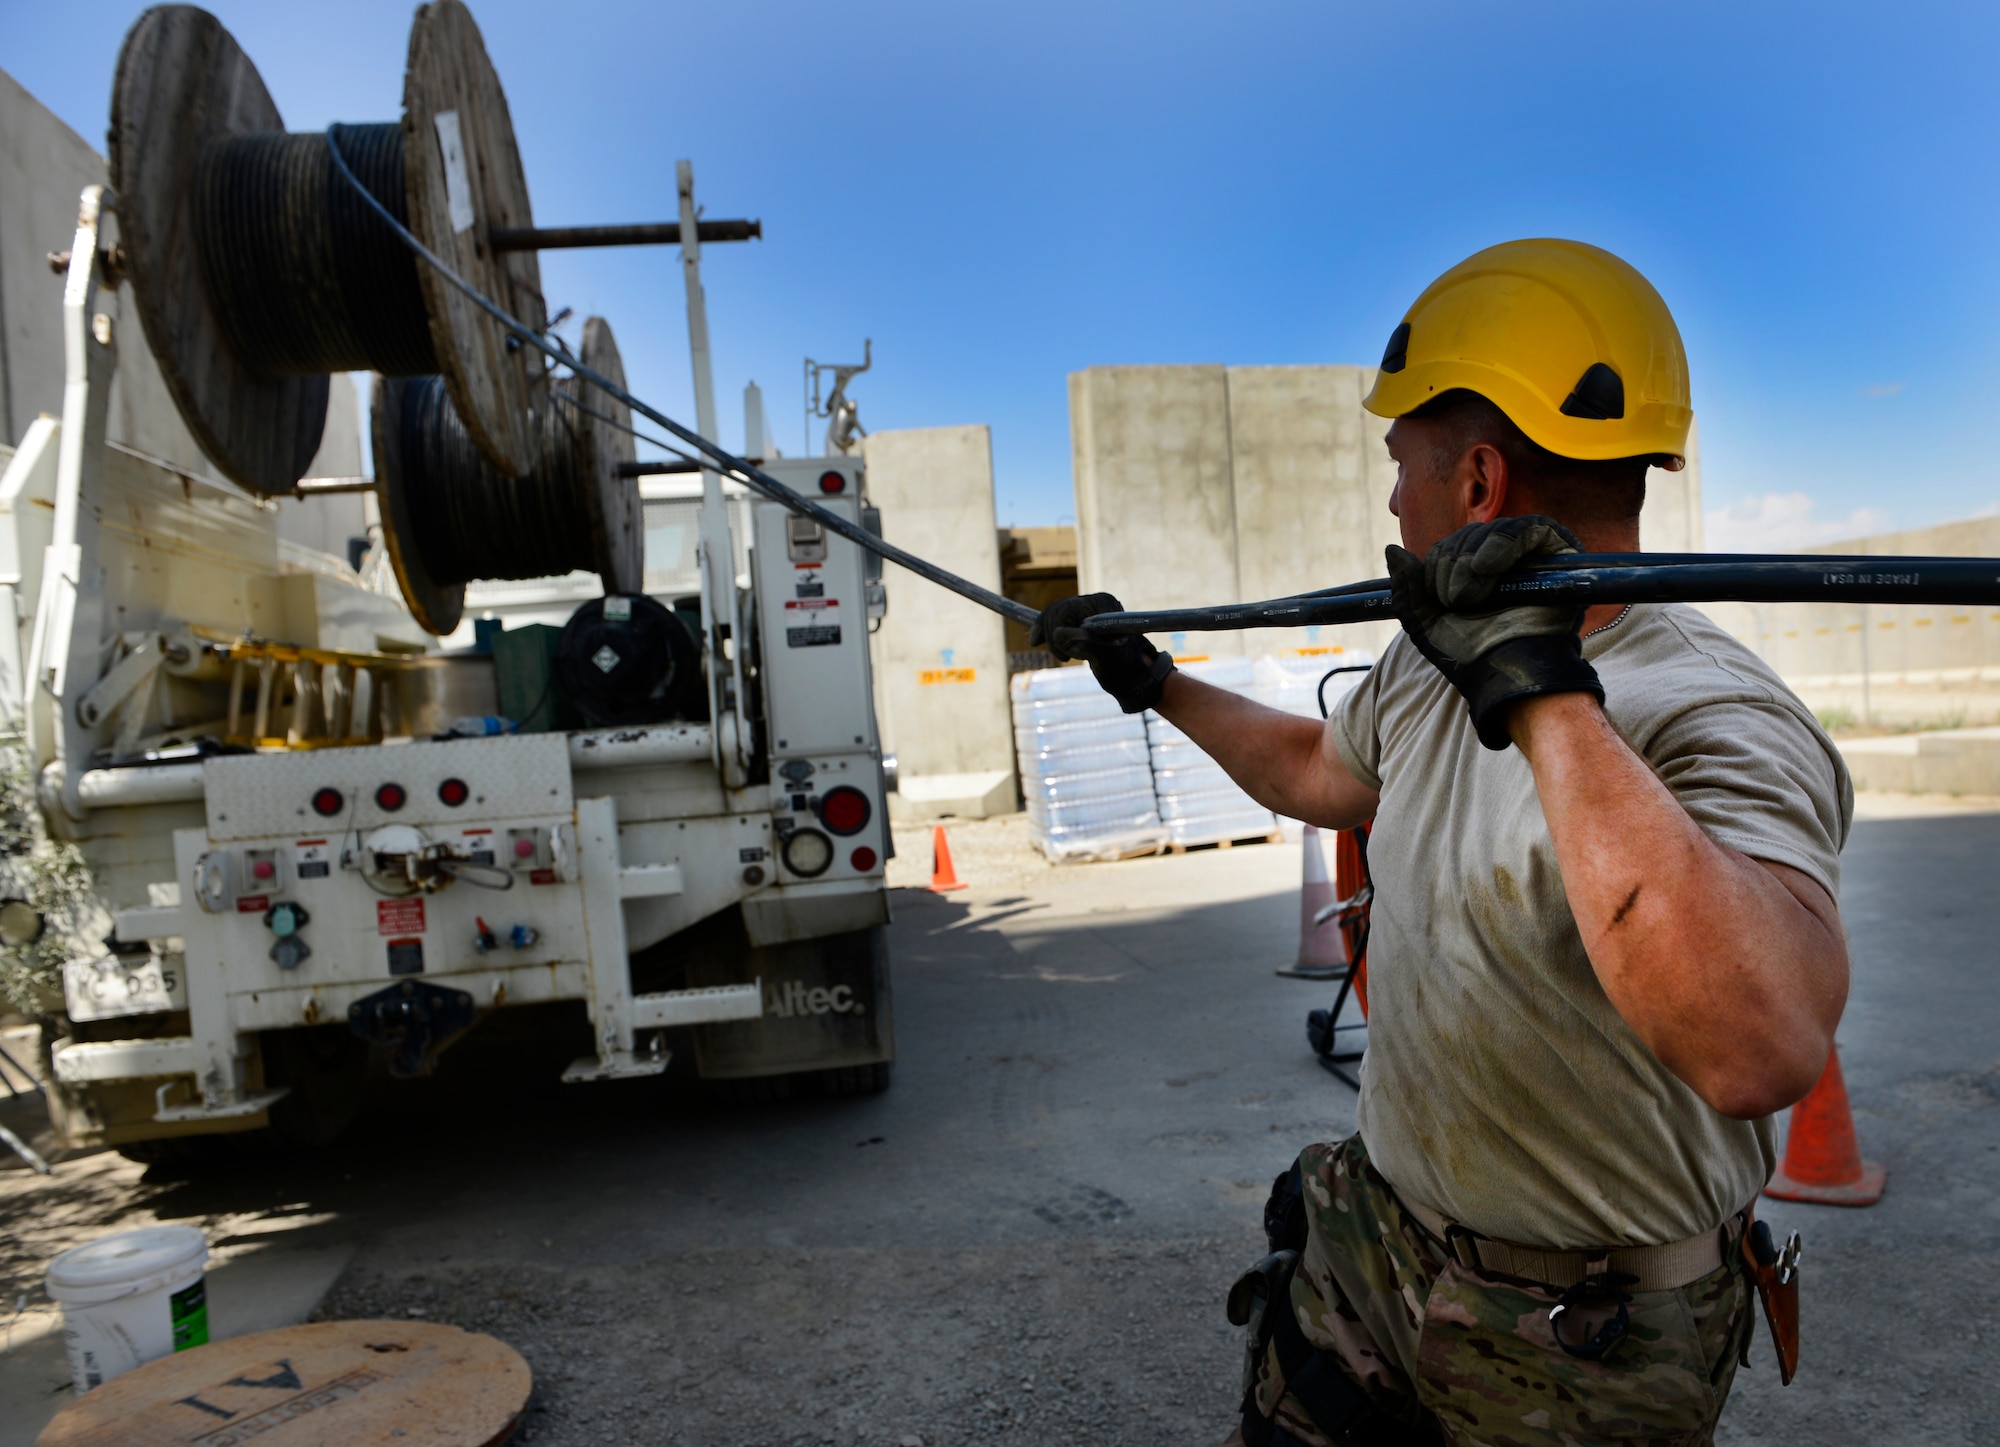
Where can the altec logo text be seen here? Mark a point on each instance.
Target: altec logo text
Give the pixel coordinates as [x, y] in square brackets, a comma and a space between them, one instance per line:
[792, 998]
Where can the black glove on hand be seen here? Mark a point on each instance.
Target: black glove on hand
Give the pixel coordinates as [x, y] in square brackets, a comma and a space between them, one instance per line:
[1130, 669]
[1500, 655]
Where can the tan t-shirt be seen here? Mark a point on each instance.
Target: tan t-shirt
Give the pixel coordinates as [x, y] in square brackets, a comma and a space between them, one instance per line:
[1500, 1086]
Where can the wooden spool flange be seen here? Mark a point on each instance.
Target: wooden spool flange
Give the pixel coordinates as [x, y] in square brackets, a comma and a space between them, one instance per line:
[617, 522]
[498, 393]
[616, 519]
[418, 1384]
[183, 82]
[436, 606]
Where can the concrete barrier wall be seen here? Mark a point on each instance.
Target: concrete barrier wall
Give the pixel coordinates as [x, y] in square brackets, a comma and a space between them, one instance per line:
[940, 661]
[1155, 515]
[1888, 666]
[1206, 484]
[44, 166]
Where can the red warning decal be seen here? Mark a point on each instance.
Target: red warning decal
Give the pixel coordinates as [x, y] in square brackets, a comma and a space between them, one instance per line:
[399, 916]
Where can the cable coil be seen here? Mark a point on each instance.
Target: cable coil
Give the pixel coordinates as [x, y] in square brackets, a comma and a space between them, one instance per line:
[303, 276]
[471, 523]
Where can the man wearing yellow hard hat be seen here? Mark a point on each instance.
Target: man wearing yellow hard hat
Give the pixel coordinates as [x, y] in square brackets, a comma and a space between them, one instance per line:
[1605, 948]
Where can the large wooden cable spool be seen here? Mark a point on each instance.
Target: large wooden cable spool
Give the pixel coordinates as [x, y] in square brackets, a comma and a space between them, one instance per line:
[449, 519]
[498, 391]
[257, 271]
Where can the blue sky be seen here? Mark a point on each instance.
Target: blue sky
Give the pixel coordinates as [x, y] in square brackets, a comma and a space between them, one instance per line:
[1001, 195]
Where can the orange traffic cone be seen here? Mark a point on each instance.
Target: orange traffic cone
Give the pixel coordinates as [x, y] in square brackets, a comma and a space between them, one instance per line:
[1322, 947]
[943, 876]
[1350, 878]
[1822, 1158]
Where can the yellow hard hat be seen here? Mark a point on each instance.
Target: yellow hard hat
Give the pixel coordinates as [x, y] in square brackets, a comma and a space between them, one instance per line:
[1568, 340]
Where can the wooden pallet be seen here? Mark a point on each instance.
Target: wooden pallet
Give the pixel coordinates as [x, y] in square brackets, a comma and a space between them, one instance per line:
[1274, 837]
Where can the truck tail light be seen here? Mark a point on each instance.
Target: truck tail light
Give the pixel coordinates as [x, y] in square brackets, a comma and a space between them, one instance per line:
[845, 810]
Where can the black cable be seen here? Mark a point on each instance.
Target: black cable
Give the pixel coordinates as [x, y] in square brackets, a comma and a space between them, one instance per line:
[1589, 578]
[625, 427]
[1320, 692]
[301, 275]
[752, 477]
[1608, 579]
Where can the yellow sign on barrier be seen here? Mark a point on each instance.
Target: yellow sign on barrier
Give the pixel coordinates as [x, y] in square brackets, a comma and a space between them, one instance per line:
[945, 675]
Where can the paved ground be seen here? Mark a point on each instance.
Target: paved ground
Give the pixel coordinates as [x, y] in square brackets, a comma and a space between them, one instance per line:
[1027, 1239]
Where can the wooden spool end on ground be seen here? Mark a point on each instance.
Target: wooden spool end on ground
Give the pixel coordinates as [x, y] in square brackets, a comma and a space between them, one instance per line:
[182, 85]
[182, 82]
[498, 393]
[416, 1384]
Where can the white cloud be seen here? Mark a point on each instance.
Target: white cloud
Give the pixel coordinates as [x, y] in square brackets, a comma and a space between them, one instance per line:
[1881, 389]
[1783, 522]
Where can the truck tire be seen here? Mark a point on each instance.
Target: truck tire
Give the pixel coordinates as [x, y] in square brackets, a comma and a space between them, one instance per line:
[329, 1071]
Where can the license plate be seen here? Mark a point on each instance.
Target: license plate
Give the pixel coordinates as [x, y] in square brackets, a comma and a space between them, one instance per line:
[107, 988]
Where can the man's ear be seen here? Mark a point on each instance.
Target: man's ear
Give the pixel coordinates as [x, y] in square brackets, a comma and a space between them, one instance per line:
[1483, 482]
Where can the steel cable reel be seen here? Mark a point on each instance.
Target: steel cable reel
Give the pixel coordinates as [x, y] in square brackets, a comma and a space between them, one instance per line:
[257, 272]
[449, 518]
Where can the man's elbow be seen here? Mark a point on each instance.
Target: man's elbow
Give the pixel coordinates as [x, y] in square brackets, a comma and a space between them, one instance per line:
[1753, 1084]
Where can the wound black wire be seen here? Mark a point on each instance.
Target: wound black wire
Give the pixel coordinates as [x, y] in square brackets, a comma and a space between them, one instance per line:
[467, 521]
[303, 276]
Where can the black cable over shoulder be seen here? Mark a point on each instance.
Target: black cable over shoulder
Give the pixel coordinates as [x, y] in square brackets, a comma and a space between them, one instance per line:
[1577, 578]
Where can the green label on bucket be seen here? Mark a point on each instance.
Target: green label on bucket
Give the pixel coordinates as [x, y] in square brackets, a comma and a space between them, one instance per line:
[189, 1311]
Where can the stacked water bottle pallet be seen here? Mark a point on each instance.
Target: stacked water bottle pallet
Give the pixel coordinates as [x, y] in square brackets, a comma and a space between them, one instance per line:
[1199, 803]
[1084, 769]
[1293, 684]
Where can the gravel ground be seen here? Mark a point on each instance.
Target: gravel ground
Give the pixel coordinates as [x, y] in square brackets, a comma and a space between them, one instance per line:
[1086, 1341]
[1029, 1237]
[990, 854]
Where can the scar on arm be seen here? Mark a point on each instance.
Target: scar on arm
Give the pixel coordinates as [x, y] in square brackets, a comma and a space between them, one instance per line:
[1626, 908]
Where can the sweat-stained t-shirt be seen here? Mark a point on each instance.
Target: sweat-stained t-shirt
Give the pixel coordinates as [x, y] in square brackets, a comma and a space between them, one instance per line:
[1500, 1086]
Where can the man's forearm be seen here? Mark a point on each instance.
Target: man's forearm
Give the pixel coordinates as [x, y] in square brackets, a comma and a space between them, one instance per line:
[1732, 972]
[1278, 759]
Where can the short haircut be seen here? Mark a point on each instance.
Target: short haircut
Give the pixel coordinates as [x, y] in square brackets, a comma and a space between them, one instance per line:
[1571, 489]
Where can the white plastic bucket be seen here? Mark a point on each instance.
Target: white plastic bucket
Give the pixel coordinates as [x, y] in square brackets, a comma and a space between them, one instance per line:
[129, 1298]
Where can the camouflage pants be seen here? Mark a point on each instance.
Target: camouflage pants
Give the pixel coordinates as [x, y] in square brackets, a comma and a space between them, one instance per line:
[1469, 1358]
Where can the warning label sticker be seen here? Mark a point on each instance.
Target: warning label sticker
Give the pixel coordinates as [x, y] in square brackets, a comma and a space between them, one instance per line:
[812, 622]
[311, 859]
[928, 676]
[399, 916]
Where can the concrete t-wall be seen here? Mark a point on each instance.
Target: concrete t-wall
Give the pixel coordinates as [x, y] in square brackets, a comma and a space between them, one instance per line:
[44, 166]
[941, 661]
[1903, 666]
[1207, 484]
[1155, 511]
[1311, 499]
[1671, 519]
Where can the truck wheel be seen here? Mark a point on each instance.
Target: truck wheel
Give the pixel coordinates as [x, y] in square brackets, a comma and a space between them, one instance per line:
[328, 1070]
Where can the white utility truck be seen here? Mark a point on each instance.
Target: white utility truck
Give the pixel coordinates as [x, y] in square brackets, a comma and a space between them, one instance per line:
[305, 871]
